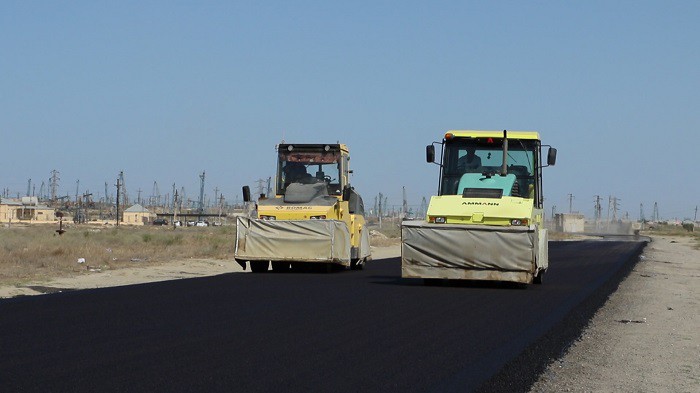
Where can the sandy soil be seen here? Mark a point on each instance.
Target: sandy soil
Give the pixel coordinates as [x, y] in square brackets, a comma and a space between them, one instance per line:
[646, 338]
[142, 273]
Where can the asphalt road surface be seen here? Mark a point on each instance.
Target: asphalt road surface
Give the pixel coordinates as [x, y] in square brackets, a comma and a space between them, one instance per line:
[348, 331]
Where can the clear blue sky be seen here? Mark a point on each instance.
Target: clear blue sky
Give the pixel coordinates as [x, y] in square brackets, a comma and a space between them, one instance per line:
[165, 90]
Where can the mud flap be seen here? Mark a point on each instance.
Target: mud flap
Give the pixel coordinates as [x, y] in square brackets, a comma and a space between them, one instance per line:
[241, 263]
[469, 251]
[326, 241]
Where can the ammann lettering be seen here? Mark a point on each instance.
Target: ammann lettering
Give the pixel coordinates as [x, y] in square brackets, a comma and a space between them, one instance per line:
[482, 203]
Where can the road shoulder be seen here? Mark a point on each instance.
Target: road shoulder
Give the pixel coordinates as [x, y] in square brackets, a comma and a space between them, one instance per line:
[646, 337]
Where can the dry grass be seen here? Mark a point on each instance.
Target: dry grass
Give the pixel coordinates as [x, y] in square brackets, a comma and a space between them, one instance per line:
[675, 230]
[388, 235]
[37, 252]
[29, 253]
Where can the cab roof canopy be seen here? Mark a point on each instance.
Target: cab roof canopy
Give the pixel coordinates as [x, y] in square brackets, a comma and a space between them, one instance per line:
[312, 146]
[493, 134]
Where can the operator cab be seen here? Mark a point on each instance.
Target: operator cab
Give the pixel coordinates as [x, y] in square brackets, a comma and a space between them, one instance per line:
[472, 166]
[311, 165]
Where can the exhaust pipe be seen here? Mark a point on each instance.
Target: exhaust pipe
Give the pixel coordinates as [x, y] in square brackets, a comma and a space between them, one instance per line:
[504, 168]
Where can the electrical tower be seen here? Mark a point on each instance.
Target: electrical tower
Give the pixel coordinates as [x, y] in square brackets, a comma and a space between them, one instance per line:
[615, 207]
[641, 212]
[423, 208]
[655, 215]
[29, 187]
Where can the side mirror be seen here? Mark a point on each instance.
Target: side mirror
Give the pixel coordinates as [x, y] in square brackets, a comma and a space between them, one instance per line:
[246, 194]
[346, 193]
[551, 156]
[430, 153]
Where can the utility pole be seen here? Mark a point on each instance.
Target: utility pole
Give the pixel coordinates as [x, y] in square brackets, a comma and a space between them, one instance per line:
[118, 188]
[404, 205]
[201, 195]
[77, 187]
[174, 204]
[379, 212]
[696, 213]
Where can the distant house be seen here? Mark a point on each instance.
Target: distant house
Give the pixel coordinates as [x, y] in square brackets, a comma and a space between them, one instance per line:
[138, 215]
[25, 209]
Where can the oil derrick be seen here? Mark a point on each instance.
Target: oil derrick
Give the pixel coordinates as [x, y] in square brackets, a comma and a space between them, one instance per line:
[124, 196]
[183, 197]
[53, 184]
[154, 199]
[82, 204]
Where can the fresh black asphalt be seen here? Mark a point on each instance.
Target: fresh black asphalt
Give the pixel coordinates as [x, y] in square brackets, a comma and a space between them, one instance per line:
[348, 331]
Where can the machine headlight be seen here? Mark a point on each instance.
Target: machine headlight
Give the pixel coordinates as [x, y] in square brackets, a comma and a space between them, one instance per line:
[267, 218]
[438, 220]
[321, 217]
[518, 222]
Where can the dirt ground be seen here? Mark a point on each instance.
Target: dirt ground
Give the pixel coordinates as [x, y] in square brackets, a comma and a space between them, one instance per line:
[646, 338]
[143, 272]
